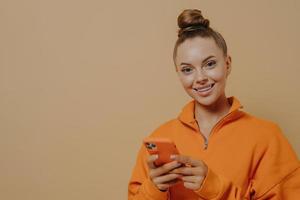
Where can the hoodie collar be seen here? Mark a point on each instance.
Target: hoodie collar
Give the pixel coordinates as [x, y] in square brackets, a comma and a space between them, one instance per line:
[187, 114]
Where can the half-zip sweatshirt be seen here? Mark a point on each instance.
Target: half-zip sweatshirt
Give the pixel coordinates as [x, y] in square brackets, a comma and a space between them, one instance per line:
[247, 158]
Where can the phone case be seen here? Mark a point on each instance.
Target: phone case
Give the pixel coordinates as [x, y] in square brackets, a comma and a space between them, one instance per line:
[163, 147]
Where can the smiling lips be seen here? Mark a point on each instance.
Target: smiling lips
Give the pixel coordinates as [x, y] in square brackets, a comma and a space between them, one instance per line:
[204, 89]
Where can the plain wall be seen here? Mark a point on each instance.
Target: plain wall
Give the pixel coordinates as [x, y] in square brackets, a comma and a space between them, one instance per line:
[82, 82]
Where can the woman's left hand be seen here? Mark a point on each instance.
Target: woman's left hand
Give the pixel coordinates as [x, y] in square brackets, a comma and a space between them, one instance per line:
[193, 171]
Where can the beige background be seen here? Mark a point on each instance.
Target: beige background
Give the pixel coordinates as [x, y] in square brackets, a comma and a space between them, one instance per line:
[82, 82]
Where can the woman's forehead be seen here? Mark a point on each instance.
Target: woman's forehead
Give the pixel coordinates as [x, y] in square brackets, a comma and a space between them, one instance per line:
[197, 49]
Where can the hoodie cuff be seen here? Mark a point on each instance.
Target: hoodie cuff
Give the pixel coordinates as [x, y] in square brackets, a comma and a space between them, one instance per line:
[211, 186]
[150, 190]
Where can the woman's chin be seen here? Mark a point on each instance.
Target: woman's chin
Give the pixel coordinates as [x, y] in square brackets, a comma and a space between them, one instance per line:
[206, 101]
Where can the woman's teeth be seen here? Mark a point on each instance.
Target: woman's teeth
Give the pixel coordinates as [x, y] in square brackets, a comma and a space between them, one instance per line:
[204, 89]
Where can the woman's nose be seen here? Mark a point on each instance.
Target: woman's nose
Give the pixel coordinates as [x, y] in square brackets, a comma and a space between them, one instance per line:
[201, 76]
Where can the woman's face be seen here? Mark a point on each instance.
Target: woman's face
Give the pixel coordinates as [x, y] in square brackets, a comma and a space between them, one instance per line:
[202, 69]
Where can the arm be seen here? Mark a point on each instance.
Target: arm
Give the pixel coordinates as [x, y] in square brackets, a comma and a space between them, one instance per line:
[140, 186]
[215, 187]
[276, 174]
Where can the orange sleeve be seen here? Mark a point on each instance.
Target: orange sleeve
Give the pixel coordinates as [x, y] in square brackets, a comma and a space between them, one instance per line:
[140, 186]
[276, 175]
[215, 187]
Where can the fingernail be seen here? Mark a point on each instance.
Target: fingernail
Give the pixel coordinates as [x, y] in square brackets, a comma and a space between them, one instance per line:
[173, 157]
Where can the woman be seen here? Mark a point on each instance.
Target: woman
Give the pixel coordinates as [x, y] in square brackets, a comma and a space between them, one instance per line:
[229, 153]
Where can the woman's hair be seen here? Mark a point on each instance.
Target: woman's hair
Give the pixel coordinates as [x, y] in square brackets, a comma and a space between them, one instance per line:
[192, 24]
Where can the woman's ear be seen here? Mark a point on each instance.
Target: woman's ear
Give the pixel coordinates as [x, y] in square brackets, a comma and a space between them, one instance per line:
[176, 69]
[228, 64]
[175, 65]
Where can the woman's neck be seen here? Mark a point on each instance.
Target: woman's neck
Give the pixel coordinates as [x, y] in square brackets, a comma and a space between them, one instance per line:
[212, 113]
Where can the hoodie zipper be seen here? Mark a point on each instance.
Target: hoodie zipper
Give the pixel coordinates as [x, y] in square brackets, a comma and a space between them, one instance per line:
[205, 142]
[212, 130]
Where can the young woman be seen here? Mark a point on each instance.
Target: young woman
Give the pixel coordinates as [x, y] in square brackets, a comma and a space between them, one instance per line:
[228, 153]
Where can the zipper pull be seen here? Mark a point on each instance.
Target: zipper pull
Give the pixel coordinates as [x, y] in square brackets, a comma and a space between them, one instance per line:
[205, 143]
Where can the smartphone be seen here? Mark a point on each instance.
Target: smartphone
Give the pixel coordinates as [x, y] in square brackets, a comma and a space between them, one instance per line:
[163, 147]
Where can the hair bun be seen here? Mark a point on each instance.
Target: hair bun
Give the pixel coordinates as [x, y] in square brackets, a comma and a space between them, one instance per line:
[192, 17]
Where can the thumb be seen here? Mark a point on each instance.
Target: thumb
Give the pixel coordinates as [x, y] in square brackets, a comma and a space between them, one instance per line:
[150, 161]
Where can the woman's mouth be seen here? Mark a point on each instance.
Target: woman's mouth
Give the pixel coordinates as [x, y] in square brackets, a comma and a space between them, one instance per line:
[204, 91]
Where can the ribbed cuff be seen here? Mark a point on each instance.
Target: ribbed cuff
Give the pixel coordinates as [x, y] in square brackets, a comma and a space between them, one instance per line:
[152, 191]
[211, 186]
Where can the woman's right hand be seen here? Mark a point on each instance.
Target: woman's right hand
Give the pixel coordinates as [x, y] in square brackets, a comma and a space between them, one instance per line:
[159, 175]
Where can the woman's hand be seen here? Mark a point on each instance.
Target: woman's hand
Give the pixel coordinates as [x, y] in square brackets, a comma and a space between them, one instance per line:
[160, 176]
[193, 172]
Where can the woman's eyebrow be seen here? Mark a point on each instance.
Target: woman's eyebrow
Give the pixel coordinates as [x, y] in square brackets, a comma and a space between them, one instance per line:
[183, 63]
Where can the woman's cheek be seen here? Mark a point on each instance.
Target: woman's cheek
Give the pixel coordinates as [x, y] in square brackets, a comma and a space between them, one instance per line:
[217, 75]
[187, 81]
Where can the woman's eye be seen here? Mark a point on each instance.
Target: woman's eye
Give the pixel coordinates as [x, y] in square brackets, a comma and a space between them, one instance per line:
[186, 70]
[210, 64]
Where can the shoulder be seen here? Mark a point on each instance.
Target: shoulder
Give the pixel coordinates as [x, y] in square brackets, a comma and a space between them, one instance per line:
[268, 136]
[262, 133]
[169, 127]
[165, 129]
[261, 126]
[259, 121]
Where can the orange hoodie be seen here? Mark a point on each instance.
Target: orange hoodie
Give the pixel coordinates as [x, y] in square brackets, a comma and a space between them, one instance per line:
[247, 158]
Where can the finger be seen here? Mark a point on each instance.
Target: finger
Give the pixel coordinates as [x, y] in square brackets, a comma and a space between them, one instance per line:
[165, 179]
[164, 187]
[189, 171]
[164, 169]
[192, 179]
[150, 161]
[187, 160]
[173, 182]
[183, 171]
[191, 186]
